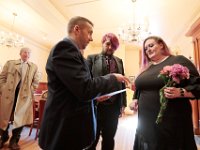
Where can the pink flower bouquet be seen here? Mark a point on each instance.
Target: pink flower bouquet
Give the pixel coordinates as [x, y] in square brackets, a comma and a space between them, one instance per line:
[172, 75]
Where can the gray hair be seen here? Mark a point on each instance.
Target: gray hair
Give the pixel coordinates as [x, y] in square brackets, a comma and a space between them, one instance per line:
[25, 49]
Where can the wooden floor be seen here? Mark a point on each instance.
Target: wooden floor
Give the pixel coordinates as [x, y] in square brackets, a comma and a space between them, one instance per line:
[26, 142]
[125, 133]
[123, 140]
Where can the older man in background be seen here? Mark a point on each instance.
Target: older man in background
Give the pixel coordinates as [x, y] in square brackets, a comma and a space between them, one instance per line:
[18, 80]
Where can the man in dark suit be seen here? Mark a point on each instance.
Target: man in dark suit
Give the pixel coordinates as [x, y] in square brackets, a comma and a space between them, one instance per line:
[68, 116]
[108, 111]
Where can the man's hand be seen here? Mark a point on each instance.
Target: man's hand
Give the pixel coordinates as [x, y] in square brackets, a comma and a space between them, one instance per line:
[134, 105]
[122, 111]
[103, 98]
[133, 88]
[121, 78]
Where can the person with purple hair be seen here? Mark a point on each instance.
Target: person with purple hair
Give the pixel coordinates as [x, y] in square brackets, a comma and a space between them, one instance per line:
[108, 111]
[175, 131]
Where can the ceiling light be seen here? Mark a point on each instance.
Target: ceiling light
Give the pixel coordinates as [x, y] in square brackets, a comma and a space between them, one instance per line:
[135, 30]
[11, 39]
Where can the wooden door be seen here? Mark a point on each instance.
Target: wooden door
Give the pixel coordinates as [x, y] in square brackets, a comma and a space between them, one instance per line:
[194, 32]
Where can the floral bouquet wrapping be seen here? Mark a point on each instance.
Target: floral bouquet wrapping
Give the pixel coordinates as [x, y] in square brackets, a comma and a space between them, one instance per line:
[172, 75]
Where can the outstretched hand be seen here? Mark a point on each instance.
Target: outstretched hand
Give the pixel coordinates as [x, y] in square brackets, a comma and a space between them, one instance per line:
[121, 78]
[103, 98]
[134, 105]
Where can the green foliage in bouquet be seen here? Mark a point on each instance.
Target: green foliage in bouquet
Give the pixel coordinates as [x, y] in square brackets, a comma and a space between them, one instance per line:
[171, 75]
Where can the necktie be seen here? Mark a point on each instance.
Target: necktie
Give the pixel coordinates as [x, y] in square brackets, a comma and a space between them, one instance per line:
[108, 63]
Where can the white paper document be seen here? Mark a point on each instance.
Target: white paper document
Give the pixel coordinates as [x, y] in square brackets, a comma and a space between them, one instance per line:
[112, 93]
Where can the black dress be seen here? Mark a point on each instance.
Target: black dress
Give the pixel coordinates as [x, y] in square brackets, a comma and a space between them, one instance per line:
[175, 132]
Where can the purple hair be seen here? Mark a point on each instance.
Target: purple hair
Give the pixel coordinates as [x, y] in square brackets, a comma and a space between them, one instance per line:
[113, 39]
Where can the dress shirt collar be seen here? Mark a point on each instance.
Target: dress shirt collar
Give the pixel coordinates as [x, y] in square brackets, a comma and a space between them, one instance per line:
[23, 61]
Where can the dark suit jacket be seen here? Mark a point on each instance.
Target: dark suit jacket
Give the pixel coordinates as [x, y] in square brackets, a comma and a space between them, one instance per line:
[67, 121]
[99, 68]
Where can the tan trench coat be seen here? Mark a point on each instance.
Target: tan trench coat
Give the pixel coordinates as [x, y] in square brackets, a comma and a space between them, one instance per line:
[9, 79]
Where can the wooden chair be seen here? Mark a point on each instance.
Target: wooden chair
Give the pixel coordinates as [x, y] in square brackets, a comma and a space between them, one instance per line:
[38, 109]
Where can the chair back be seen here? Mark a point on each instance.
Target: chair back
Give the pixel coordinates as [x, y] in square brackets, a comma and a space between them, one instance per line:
[41, 109]
[38, 109]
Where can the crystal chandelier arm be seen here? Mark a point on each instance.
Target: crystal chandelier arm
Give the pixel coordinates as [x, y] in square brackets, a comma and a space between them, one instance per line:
[11, 39]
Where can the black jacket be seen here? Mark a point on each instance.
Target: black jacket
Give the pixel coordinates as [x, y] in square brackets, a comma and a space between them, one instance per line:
[67, 116]
[99, 68]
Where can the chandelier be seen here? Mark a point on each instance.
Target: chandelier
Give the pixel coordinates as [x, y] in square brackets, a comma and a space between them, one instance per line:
[11, 39]
[135, 30]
